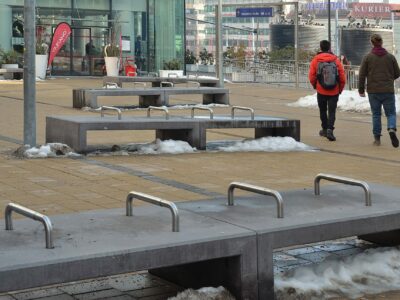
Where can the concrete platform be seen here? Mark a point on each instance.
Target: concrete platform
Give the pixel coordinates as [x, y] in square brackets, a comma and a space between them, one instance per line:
[72, 130]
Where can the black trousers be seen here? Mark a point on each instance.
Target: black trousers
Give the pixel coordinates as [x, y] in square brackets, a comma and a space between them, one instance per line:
[327, 110]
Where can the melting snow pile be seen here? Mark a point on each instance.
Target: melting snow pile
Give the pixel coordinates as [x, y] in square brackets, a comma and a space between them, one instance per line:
[267, 144]
[48, 150]
[206, 293]
[348, 101]
[371, 272]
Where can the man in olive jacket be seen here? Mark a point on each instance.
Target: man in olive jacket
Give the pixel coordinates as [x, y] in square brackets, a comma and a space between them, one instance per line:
[380, 68]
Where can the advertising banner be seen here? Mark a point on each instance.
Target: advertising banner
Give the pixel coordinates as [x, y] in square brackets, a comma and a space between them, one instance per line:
[373, 10]
[60, 36]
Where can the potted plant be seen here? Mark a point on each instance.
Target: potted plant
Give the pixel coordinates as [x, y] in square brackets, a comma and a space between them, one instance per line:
[172, 68]
[112, 51]
[111, 58]
[41, 59]
[9, 60]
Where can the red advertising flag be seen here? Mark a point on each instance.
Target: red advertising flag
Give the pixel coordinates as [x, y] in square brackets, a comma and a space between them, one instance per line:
[60, 36]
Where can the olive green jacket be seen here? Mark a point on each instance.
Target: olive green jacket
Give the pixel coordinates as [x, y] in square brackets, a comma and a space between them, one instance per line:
[380, 72]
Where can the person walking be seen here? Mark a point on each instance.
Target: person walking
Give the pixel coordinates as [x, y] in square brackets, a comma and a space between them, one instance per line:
[380, 69]
[327, 76]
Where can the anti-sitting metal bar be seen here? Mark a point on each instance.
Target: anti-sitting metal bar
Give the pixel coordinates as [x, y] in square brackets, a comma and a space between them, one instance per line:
[258, 190]
[166, 84]
[241, 108]
[150, 108]
[153, 200]
[192, 82]
[29, 213]
[143, 84]
[203, 108]
[113, 85]
[344, 180]
[103, 108]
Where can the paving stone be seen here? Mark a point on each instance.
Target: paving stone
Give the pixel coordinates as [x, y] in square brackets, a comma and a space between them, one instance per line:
[103, 294]
[153, 291]
[85, 287]
[334, 246]
[123, 297]
[58, 297]
[349, 252]
[299, 251]
[38, 293]
[129, 282]
[316, 257]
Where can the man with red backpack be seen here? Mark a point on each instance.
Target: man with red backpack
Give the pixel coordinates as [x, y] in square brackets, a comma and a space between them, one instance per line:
[328, 78]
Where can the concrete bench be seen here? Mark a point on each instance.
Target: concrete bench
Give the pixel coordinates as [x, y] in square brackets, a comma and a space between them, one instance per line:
[148, 96]
[10, 72]
[72, 130]
[217, 244]
[156, 81]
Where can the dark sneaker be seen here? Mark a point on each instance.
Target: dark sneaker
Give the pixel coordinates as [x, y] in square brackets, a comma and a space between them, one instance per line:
[322, 132]
[329, 135]
[377, 140]
[393, 137]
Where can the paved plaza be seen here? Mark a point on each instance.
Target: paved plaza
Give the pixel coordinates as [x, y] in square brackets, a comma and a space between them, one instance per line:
[67, 185]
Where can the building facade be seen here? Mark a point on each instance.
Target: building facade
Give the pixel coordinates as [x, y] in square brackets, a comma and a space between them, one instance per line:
[150, 32]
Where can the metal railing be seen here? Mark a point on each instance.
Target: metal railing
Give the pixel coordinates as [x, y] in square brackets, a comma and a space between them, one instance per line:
[344, 180]
[258, 190]
[241, 108]
[29, 213]
[277, 72]
[153, 200]
[103, 108]
[203, 108]
[150, 108]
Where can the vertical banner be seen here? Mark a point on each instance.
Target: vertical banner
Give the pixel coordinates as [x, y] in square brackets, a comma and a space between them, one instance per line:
[60, 36]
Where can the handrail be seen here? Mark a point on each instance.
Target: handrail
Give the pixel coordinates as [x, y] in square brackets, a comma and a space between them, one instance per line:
[150, 108]
[242, 108]
[203, 108]
[114, 84]
[103, 108]
[258, 190]
[29, 213]
[344, 180]
[154, 200]
[166, 84]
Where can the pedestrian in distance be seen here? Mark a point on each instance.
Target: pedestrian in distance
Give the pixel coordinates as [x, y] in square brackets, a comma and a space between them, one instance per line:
[327, 76]
[380, 69]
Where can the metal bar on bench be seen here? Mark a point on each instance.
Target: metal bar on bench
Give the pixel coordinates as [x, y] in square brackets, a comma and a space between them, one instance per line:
[203, 108]
[140, 83]
[258, 190]
[193, 82]
[111, 84]
[166, 84]
[344, 180]
[242, 108]
[154, 200]
[103, 108]
[29, 213]
[150, 108]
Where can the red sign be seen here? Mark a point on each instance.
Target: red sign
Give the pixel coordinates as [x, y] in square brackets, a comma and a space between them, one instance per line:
[372, 10]
[60, 36]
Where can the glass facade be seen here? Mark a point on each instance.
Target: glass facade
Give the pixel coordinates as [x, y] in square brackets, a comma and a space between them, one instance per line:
[150, 32]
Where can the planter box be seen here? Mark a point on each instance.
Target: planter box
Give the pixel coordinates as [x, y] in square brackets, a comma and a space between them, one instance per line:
[41, 65]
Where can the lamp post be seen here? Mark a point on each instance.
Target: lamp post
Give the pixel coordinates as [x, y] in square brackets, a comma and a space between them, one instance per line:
[329, 21]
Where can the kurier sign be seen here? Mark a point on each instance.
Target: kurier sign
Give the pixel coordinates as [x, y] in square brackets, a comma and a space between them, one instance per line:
[250, 12]
[372, 9]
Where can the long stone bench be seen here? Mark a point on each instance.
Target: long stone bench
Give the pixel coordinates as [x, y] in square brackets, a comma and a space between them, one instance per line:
[7, 72]
[217, 244]
[156, 81]
[72, 130]
[148, 96]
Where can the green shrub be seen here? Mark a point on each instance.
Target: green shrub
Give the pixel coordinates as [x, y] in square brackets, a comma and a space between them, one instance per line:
[173, 64]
